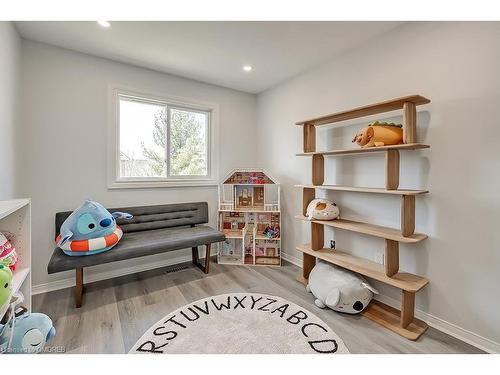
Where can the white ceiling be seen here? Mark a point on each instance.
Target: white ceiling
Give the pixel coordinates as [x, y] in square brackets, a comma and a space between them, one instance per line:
[213, 52]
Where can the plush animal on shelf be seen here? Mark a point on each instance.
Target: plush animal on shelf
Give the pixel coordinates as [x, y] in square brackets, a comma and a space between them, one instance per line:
[339, 289]
[322, 209]
[5, 288]
[31, 333]
[379, 134]
[8, 255]
[90, 229]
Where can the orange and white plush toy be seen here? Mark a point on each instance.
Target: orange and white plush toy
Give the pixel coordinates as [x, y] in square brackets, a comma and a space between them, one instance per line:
[8, 255]
[322, 209]
[379, 134]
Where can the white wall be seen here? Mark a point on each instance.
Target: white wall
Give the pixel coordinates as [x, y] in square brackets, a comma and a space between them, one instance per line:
[456, 66]
[65, 95]
[10, 83]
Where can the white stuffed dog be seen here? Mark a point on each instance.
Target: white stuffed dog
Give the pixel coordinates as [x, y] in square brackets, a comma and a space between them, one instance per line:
[339, 289]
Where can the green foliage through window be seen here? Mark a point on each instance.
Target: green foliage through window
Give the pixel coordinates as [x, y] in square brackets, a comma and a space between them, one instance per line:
[178, 143]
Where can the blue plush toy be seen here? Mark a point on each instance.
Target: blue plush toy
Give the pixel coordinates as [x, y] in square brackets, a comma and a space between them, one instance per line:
[31, 333]
[90, 229]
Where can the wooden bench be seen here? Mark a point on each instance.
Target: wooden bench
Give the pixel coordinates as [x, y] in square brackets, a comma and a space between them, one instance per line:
[153, 230]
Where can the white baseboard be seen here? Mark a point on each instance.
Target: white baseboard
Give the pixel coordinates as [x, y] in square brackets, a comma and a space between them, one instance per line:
[92, 277]
[451, 329]
[442, 325]
[292, 259]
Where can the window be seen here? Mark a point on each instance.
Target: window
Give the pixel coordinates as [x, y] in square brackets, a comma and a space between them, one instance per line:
[160, 142]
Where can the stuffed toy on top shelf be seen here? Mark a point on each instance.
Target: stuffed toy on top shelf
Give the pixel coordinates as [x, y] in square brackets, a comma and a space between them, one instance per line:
[90, 229]
[8, 255]
[379, 134]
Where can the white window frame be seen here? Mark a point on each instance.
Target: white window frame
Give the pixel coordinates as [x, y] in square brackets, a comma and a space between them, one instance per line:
[117, 182]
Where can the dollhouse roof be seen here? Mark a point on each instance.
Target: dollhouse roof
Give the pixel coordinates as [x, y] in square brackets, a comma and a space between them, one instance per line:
[246, 176]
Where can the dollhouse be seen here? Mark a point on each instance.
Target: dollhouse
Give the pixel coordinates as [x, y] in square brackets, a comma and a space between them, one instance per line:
[249, 216]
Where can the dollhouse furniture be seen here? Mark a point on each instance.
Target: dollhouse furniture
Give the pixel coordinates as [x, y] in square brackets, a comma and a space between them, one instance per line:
[15, 219]
[250, 218]
[402, 322]
[152, 230]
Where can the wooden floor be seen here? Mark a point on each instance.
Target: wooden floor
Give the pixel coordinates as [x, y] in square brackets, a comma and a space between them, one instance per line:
[117, 312]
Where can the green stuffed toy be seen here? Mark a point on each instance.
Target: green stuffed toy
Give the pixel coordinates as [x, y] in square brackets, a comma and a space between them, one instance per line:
[5, 288]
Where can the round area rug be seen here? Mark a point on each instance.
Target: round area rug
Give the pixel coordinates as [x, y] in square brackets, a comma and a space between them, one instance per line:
[240, 323]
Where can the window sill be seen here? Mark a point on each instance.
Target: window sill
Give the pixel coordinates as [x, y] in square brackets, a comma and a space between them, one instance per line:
[160, 184]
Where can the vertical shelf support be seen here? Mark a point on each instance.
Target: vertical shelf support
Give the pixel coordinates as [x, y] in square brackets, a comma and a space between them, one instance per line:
[409, 122]
[391, 259]
[308, 194]
[318, 169]
[317, 236]
[309, 138]
[407, 215]
[391, 169]
[308, 263]
[407, 308]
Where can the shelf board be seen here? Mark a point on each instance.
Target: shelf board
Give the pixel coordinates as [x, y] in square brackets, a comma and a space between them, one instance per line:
[389, 317]
[258, 237]
[18, 278]
[367, 110]
[370, 229]
[406, 146]
[401, 280]
[365, 189]
[10, 206]
[249, 211]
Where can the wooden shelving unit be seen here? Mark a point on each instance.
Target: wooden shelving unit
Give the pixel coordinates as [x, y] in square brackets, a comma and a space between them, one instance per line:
[400, 321]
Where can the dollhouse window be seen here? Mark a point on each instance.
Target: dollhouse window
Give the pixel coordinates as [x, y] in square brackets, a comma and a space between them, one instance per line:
[159, 142]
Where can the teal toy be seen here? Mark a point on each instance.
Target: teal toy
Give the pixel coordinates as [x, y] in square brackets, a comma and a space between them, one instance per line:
[30, 334]
[90, 229]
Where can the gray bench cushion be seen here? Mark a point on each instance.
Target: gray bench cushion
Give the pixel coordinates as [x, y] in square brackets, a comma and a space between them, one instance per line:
[138, 244]
[153, 230]
[154, 217]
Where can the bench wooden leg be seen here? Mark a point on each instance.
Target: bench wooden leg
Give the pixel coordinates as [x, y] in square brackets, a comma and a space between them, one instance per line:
[196, 260]
[195, 255]
[79, 287]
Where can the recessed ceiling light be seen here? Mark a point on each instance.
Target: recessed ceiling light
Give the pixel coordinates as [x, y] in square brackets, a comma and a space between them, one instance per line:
[247, 68]
[104, 23]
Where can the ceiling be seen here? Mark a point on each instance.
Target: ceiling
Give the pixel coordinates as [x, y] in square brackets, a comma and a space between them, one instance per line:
[213, 52]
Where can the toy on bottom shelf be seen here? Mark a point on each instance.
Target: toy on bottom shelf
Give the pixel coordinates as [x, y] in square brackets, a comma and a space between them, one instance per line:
[339, 289]
[90, 229]
[379, 134]
[322, 209]
[8, 255]
[31, 332]
[5, 289]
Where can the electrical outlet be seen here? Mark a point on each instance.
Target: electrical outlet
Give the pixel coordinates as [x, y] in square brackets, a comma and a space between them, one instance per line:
[379, 258]
[332, 244]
